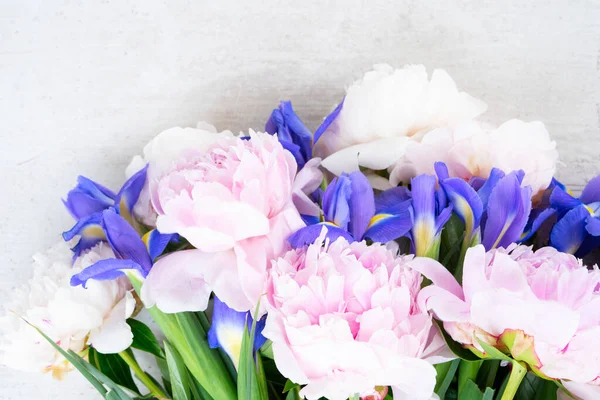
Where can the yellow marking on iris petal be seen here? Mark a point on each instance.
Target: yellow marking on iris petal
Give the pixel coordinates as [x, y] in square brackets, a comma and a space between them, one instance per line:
[146, 238]
[124, 211]
[377, 218]
[93, 231]
[230, 339]
[423, 235]
[589, 210]
[570, 192]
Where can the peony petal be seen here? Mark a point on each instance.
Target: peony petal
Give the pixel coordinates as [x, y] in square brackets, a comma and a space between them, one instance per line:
[176, 282]
[115, 334]
[376, 155]
[438, 274]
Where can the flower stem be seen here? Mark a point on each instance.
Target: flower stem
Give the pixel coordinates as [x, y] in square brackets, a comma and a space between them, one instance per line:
[467, 370]
[516, 376]
[142, 376]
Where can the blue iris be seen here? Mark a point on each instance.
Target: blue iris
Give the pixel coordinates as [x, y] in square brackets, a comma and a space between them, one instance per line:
[431, 213]
[577, 230]
[88, 200]
[496, 213]
[291, 132]
[351, 211]
[131, 251]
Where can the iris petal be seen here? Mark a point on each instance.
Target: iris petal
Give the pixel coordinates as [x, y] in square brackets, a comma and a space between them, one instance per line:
[569, 232]
[486, 189]
[156, 242]
[88, 197]
[388, 200]
[362, 204]
[124, 240]
[90, 231]
[508, 210]
[104, 270]
[336, 199]
[130, 193]
[328, 121]
[307, 235]
[536, 222]
[465, 200]
[386, 227]
[591, 192]
[227, 330]
[593, 226]
[562, 201]
[291, 132]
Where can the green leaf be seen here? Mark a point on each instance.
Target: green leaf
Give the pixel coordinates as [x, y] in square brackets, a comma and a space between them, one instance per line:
[164, 372]
[445, 374]
[289, 385]
[293, 393]
[204, 363]
[260, 376]
[178, 374]
[144, 339]
[471, 392]
[467, 371]
[251, 384]
[267, 350]
[456, 347]
[487, 373]
[493, 352]
[188, 337]
[247, 384]
[95, 377]
[113, 366]
[535, 388]
[452, 237]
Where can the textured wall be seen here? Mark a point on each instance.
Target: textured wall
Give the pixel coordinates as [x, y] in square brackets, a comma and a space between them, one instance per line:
[83, 85]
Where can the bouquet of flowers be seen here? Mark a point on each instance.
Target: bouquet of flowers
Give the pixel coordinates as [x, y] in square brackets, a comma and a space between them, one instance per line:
[404, 250]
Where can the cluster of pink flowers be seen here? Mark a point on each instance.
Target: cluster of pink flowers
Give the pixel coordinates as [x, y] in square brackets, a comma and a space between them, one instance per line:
[362, 260]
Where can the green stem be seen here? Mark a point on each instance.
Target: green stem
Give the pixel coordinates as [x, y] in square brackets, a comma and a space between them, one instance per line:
[205, 364]
[461, 260]
[514, 381]
[142, 376]
[467, 370]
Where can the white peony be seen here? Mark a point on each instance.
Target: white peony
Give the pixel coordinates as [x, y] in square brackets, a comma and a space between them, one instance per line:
[473, 149]
[384, 110]
[161, 152]
[73, 317]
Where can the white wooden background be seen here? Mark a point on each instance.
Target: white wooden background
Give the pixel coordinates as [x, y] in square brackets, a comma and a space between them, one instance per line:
[85, 84]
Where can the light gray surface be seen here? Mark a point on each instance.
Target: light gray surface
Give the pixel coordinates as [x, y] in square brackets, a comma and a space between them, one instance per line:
[84, 85]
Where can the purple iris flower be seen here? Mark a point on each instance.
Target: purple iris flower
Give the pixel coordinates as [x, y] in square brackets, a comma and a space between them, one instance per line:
[131, 251]
[291, 132]
[351, 211]
[431, 213]
[88, 200]
[498, 211]
[227, 329]
[578, 228]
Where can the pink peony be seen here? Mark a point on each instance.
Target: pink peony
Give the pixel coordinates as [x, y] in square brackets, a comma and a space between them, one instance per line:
[343, 319]
[540, 307]
[232, 197]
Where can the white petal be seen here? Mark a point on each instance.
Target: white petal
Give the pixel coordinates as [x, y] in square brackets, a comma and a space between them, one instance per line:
[115, 334]
[376, 155]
